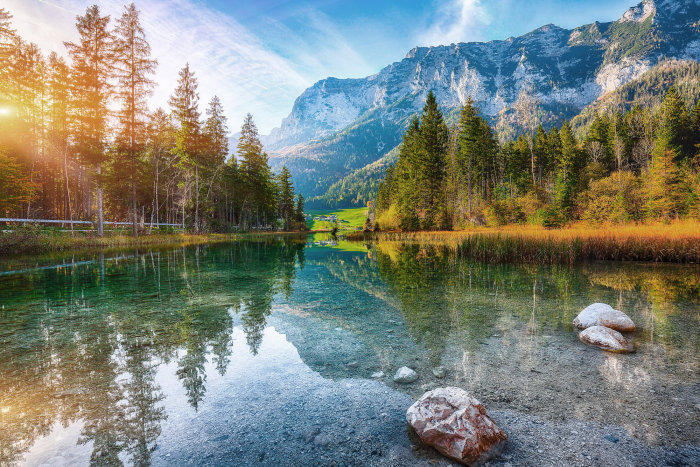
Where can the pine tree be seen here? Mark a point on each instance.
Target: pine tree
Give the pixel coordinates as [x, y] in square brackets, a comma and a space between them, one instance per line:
[133, 65]
[259, 199]
[299, 215]
[216, 133]
[185, 107]
[432, 149]
[663, 198]
[58, 128]
[161, 135]
[675, 122]
[92, 72]
[7, 39]
[469, 129]
[286, 198]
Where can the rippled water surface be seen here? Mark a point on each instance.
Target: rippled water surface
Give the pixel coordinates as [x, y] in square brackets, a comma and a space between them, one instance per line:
[262, 353]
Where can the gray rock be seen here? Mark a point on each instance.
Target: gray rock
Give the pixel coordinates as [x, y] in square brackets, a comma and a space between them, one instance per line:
[405, 375]
[606, 339]
[379, 374]
[601, 314]
[352, 365]
[439, 372]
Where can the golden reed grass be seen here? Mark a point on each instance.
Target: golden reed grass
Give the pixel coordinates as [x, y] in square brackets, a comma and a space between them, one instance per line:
[677, 242]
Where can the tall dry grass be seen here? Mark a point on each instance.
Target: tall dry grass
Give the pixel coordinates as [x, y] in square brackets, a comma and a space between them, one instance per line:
[677, 242]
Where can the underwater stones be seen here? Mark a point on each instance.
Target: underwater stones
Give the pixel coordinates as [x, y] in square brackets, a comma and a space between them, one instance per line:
[352, 365]
[405, 375]
[439, 372]
[456, 424]
[606, 339]
[601, 314]
[379, 374]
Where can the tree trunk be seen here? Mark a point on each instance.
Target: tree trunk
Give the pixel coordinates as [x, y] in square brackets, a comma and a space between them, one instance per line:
[100, 210]
[196, 196]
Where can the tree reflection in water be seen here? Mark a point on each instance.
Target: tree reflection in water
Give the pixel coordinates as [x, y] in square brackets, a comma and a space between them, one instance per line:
[85, 342]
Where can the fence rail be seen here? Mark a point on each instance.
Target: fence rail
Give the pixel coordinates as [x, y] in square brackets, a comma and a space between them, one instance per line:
[54, 221]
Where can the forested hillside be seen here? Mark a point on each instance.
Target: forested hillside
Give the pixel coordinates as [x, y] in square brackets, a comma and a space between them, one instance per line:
[357, 188]
[78, 142]
[644, 164]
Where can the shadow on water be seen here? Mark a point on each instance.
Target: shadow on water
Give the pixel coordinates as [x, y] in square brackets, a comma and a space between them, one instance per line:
[84, 340]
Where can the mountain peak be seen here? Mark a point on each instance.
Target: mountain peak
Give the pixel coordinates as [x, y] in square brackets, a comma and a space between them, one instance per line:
[639, 13]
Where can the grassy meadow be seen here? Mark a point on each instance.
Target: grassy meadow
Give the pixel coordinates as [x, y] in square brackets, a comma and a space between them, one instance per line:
[677, 242]
[351, 217]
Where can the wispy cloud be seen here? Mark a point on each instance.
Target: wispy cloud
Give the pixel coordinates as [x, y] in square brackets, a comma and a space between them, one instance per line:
[456, 21]
[227, 59]
[322, 50]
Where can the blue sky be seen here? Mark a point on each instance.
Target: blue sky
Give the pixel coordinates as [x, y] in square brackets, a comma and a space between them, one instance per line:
[259, 55]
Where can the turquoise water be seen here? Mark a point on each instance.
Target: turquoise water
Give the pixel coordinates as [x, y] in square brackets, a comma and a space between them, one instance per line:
[184, 356]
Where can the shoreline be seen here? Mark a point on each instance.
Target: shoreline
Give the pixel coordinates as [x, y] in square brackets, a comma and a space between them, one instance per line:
[48, 242]
[676, 242]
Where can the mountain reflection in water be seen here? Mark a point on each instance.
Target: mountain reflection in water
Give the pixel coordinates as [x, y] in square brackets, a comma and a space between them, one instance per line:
[94, 352]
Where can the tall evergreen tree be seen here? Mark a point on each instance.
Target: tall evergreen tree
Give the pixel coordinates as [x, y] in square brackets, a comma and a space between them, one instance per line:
[185, 107]
[286, 198]
[431, 151]
[299, 216]
[259, 200]
[133, 65]
[93, 60]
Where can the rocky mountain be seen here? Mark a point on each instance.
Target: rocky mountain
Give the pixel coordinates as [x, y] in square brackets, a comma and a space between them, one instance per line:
[340, 125]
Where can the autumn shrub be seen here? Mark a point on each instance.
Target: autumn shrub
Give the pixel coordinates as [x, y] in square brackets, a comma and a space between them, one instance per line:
[617, 198]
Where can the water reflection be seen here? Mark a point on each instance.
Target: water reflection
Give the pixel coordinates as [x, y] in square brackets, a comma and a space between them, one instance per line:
[84, 342]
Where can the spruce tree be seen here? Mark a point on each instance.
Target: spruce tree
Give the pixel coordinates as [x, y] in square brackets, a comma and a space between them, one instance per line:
[432, 149]
[185, 107]
[133, 65]
[93, 61]
[299, 215]
[286, 199]
[259, 189]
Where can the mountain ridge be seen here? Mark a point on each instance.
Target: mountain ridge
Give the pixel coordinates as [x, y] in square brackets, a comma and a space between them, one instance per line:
[350, 123]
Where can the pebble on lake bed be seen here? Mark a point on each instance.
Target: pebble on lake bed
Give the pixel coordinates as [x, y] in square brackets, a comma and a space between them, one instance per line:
[606, 339]
[456, 424]
[405, 375]
[601, 314]
[439, 372]
[379, 374]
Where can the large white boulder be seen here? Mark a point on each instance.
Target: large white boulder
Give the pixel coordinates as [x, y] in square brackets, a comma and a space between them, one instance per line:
[606, 338]
[601, 314]
[456, 424]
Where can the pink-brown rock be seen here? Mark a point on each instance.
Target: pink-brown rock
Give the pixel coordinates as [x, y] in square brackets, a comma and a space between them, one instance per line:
[456, 424]
[606, 338]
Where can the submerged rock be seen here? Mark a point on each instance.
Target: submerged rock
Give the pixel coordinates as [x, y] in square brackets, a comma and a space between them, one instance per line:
[379, 374]
[352, 365]
[439, 372]
[601, 314]
[405, 375]
[456, 424]
[606, 339]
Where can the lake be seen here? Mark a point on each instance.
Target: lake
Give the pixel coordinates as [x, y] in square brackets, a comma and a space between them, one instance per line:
[269, 353]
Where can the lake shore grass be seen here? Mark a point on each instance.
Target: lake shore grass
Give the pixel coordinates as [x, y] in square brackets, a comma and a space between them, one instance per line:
[677, 242]
[36, 241]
